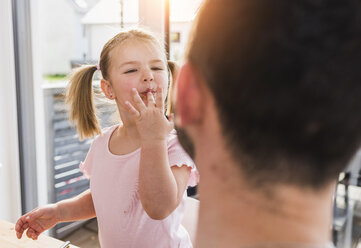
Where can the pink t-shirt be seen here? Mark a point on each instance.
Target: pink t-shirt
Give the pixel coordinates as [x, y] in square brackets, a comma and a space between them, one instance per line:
[121, 218]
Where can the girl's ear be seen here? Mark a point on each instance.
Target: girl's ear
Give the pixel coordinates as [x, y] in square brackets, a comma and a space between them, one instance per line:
[188, 97]
[107, 89]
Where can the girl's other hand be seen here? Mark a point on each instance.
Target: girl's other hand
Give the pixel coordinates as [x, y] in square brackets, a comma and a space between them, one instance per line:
[37, 221]
[151, 122]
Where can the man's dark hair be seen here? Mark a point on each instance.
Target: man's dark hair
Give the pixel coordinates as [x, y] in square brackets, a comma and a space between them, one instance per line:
[286, 78]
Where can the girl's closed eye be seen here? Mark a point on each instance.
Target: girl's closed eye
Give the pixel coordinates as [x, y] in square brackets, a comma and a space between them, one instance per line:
[130, 71]
[157, 68]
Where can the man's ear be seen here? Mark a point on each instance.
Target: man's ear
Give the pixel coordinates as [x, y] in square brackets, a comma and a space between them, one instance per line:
[107, 89]
[189, 97]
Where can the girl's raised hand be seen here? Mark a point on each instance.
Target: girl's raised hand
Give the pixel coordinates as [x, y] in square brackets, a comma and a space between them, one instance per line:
[150, 120]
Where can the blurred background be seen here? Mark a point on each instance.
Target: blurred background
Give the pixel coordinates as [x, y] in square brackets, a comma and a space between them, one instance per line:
[41, 41]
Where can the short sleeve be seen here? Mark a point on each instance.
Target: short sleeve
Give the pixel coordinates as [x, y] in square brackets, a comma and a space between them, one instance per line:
[86, 165]
[178, 157]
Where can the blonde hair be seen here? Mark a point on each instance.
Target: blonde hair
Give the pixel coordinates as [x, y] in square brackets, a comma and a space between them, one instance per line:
[79, 95]
[173, 72]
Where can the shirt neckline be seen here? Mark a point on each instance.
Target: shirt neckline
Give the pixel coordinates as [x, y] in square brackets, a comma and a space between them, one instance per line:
[116, 156]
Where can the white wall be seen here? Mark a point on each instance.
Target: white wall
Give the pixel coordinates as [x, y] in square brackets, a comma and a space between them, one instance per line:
[10, 205]
[177, 49]
[98, 34]
[57, 35]
[100, 29]
[61, 35]
[151, 14]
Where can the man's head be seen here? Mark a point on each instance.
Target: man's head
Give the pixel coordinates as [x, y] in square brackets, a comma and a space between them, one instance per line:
[286, 79]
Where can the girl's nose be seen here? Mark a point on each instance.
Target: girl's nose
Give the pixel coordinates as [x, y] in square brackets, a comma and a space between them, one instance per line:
[148, 76]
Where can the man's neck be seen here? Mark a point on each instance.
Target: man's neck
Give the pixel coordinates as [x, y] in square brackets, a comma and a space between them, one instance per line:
[232, 213]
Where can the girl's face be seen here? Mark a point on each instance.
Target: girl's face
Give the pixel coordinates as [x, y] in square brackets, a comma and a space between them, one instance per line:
[140, 65]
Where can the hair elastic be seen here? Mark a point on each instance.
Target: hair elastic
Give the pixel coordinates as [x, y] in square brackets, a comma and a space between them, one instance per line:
[98, 67]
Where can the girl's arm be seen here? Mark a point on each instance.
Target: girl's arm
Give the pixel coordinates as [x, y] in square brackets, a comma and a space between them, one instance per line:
[45, 217]
[160, 187]
[80, 207]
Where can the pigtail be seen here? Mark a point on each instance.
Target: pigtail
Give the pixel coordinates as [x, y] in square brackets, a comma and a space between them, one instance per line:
[79, 97]
[173, 72]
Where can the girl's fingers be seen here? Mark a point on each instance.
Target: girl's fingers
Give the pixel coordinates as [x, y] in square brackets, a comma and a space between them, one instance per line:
[27, 221]
[150, 98]
[30, 233]
[139, 104]
[23, 223]
[33, 234]
[19, 235]
[159, 98]
[20, 227]
[133, 111]
[37, 227]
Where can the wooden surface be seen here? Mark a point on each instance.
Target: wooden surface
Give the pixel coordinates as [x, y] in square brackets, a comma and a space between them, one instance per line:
[8, 239]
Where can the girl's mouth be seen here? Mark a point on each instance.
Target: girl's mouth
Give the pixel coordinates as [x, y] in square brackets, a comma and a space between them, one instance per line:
[145, 93]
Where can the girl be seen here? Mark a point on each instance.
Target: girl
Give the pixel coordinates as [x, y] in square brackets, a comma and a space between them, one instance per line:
[138, 172]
